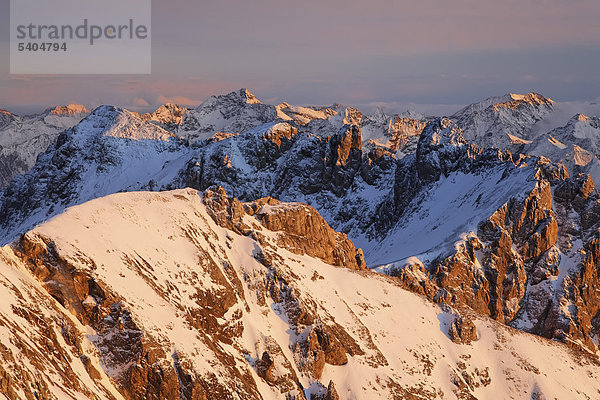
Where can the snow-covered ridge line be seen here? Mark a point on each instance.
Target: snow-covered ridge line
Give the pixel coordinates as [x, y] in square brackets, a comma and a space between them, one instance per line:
[242, 318]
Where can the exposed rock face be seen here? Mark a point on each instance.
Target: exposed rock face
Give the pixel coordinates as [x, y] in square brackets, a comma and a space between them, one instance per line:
[397, 134]
[405, 132]
[440, 147]
[343, 158]
[264, 368]
[497, 286]
[462, 330]
[507, 268]
[335, 353]
[303, 230]
[169, 116]
[330, 393]
[71, 109]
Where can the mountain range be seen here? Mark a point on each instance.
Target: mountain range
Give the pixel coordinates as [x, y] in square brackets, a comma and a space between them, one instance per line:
[242, 250]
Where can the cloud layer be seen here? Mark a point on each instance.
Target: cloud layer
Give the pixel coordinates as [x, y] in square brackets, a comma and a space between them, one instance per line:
[357, 52]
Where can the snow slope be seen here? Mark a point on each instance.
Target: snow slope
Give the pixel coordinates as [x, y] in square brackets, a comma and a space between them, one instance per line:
[44, 349]
[109, 151]
[161, 254]
[448, 210]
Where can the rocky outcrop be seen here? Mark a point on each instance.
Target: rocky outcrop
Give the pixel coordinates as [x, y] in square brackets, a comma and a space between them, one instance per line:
[323, 338]
[404, 131]
[531, 264]
[330, 393]
[440, 147]
[343, 157]
[303, 230]
[143, 369]
[168, 116]
[264, 368]
[462, 330]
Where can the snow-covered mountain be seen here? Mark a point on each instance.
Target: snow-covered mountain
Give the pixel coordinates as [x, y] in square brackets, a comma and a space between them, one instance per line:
[22, 138]
[576, 145]
[232, 113]
[109, 151]
[178, 295]
[502, 122]
[482, 213]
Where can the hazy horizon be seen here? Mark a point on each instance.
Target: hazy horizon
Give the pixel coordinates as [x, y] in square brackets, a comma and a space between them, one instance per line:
[430, 53]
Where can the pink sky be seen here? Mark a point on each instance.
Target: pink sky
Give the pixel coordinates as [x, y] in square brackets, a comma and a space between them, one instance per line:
[356, 52]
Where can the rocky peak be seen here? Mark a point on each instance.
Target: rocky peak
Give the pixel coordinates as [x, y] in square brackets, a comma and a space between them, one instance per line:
[168, 114]
[581, 117]
[583, 123]
[343, 158]
[571, 142]
[439, 147]
[231, 113]
[514, 100]
[5, 118]
[346, 145]
[509, 100]
[237, 98]
[530, 101]
[249, 97]
[70, 110]
[352, 116]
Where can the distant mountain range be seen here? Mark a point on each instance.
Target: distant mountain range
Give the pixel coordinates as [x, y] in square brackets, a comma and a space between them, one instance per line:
[241, 250]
